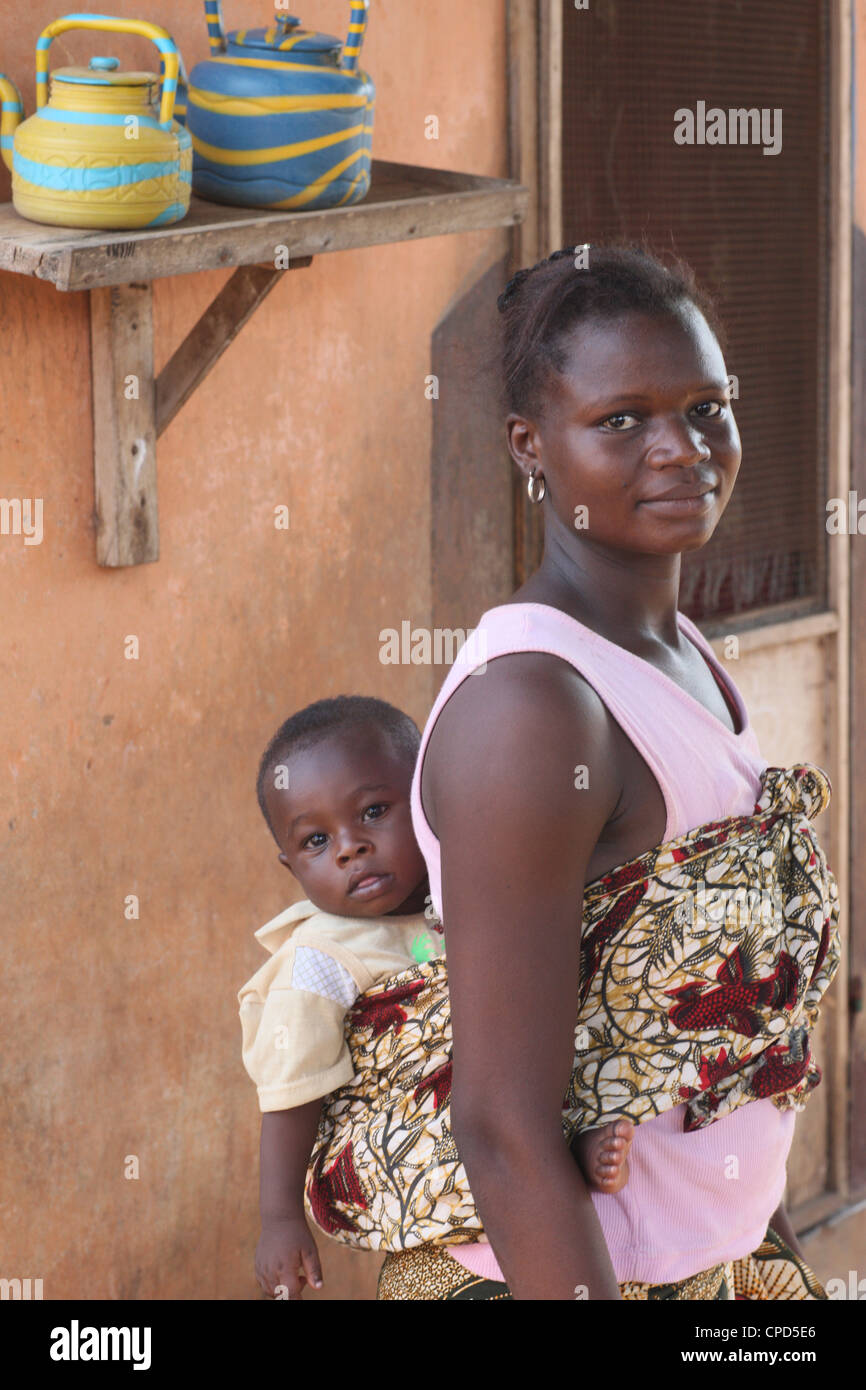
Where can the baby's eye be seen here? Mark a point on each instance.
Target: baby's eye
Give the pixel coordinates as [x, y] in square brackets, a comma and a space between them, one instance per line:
[715, 413]
[380, 807]
[316, 835]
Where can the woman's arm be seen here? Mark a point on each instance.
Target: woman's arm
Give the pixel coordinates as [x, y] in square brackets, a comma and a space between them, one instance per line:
[781, 1222]
[516, 835]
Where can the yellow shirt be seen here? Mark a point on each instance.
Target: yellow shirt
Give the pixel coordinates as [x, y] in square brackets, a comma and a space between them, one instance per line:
[293, 1009]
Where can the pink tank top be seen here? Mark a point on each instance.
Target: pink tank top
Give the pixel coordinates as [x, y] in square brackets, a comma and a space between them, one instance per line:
[692, 1200]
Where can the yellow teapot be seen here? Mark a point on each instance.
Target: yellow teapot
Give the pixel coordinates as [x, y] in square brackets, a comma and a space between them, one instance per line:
[96, 153]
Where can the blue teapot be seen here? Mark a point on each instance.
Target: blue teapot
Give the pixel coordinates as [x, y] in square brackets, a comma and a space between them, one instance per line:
[281, 117]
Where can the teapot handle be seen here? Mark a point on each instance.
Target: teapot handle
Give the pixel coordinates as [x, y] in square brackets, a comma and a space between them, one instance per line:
[10, 119]
[357, 29]
[216, 34]
[163, 40]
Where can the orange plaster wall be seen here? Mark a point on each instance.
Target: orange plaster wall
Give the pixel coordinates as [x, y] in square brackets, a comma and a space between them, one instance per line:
[137, 777]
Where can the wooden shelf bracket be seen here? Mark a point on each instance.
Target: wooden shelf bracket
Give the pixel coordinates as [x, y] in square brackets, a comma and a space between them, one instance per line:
[131, 408]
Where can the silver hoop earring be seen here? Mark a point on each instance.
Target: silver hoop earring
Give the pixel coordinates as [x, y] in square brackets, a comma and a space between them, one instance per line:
[536, 487]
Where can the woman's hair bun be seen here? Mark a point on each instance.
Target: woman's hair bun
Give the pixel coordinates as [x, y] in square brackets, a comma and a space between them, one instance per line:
[510, 291]
[543, 303]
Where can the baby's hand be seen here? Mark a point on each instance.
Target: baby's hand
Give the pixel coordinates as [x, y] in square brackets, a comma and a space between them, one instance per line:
[286, 1257]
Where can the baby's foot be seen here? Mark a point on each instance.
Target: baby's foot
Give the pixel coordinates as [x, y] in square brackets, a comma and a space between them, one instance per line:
[603, 1155]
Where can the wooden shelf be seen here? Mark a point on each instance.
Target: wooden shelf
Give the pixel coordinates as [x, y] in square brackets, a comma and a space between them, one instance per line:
[405, 202]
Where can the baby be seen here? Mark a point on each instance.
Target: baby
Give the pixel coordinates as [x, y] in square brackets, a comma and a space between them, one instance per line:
[333, 785]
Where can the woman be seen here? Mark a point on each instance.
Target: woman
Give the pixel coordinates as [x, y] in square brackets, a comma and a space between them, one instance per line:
[602, 725]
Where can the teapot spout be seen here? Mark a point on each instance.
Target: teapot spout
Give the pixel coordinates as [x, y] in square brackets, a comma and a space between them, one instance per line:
[216, 34]
[10, 119]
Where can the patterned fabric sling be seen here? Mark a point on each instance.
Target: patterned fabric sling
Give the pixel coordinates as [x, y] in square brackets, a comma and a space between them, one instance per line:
[703, 963]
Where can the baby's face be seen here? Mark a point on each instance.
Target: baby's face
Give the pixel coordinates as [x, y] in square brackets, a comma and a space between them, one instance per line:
[345, 827]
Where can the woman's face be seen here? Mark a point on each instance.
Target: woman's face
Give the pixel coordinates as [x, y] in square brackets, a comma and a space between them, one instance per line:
[641, 410]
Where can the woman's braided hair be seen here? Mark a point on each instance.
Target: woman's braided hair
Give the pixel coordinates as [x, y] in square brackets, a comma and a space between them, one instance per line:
[541, 304]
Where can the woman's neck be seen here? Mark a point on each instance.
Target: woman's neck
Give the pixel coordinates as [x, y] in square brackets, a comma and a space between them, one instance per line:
[628, 598]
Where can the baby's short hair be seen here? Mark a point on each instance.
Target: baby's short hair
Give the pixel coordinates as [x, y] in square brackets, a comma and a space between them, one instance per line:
[340, 713]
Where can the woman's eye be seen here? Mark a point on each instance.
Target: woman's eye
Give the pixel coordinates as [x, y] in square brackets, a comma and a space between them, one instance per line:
[620, 423]
[611, 419]
[379, 807]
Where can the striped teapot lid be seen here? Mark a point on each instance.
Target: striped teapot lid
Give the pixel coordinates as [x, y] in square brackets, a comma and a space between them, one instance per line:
[285, 38]
[102, 72]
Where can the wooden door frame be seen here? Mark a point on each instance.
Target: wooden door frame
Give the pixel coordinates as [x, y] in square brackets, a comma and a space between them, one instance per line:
[839, 557]
[857, 732]
[535, 146]
[839, 641]
[534, 40]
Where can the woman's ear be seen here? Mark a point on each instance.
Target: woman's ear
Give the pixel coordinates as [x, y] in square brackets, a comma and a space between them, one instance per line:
[521, 437]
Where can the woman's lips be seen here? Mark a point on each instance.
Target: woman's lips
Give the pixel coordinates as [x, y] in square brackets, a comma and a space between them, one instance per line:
[370, 885]
[679, 506]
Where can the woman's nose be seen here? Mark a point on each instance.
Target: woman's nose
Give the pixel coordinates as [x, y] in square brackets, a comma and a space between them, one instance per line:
[678, 442]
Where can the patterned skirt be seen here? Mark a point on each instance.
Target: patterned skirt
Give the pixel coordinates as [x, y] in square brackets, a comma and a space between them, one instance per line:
[773, 1271]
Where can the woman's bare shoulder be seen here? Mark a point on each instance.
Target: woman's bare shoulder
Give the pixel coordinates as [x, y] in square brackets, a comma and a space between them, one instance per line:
[516, 706]
[525, 686]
